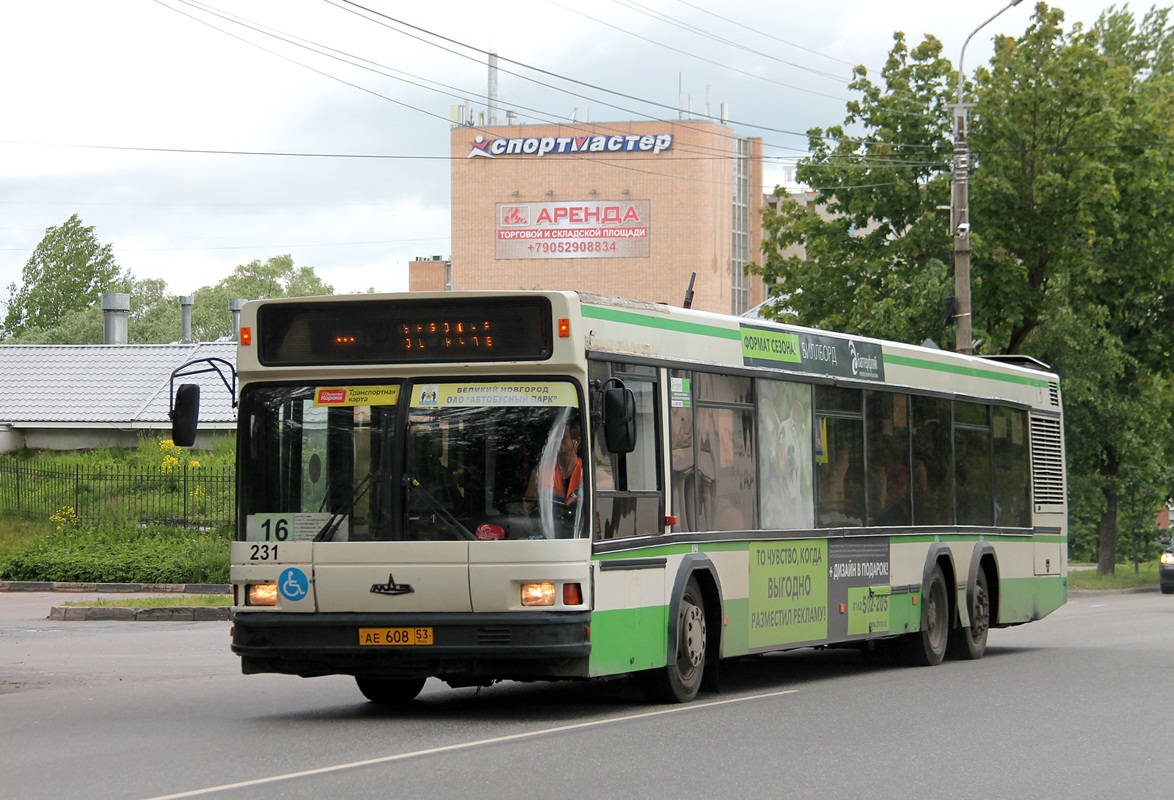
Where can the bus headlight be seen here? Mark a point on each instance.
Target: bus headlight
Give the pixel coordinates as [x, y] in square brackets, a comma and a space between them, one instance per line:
[538, 594]
[1168, 558]
[261, 594]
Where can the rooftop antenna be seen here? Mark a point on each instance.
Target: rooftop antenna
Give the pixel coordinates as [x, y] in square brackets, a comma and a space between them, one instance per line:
[689, 292]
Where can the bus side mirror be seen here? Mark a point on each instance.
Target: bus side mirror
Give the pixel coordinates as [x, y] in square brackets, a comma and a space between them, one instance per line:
[185, 416]
[619, 419]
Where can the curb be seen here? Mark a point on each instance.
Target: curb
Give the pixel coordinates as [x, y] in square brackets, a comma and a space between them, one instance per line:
[116, 588]
[128, 614]
[1133, 590]
[108, 613]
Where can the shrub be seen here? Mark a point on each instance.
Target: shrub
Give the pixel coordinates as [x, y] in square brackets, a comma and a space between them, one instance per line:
[117, 555]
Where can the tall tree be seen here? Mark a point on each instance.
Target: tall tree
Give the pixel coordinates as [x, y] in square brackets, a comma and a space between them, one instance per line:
[1072, 207]
[277, 277]
[1073, 197]
[67, 271]
[154, 318]
[869, 254]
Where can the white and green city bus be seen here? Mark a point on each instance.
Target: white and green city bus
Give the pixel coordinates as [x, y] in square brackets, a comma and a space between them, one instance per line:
[746, 487]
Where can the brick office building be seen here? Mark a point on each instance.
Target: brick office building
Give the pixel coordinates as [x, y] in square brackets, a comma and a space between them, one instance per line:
[629, 209]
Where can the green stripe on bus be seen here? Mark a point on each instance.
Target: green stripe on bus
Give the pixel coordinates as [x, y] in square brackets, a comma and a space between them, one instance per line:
[925, 538]
[736, 545]
[959, 369]
[664, 323]
[646, 551]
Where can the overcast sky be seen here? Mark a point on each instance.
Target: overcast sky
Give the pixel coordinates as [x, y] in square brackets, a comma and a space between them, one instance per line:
[196, 136]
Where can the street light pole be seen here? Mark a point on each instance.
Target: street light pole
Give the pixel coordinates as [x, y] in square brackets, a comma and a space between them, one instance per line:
[960, 202]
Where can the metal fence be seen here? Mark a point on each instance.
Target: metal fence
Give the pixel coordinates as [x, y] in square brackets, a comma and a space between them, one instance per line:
[181, 497]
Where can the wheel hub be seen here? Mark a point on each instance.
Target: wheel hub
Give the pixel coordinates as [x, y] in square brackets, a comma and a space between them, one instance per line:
[693, 634]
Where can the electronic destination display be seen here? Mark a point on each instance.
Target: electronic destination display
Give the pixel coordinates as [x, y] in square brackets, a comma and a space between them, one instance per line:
[405, 331]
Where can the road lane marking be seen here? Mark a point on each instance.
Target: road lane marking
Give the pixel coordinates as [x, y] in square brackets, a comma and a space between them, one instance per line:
[449, 748]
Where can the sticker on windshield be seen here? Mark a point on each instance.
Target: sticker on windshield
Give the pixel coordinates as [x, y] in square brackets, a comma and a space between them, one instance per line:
[356, 395]
[518, 393]
[294, 527]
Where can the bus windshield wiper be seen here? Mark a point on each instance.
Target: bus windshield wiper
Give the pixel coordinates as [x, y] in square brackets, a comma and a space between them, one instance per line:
[438, 508]
[332, 525]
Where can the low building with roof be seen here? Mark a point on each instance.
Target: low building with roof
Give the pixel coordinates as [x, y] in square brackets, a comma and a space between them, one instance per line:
[83, 396]
[78, 397]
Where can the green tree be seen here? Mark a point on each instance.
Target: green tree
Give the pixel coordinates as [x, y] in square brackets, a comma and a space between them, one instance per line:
[1073, 193]
[1072, 206]
[67, 271]
[277, 277]
[154, 318]
[155, 315]
[869, 255]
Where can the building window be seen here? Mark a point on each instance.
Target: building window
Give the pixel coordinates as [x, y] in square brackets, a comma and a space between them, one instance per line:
[740, 227]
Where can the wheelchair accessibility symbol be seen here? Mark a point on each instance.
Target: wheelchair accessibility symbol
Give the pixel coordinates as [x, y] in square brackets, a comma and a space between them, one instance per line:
[293, 584]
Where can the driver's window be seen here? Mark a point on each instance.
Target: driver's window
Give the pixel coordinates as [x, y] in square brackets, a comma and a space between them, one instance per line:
[628, 499]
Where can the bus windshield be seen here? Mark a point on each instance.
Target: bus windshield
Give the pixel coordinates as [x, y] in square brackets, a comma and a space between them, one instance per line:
[412, 462]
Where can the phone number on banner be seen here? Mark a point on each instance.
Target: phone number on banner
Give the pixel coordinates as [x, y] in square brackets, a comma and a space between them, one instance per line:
[573, 247]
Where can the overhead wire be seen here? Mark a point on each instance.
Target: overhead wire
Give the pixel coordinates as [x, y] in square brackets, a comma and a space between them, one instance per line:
[207, 9]
[685, 27]
[373, 66]
[351, 59]
[896, 95]
[541, 71]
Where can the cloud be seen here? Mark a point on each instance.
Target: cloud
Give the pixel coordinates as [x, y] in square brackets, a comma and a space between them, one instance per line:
[176, 75]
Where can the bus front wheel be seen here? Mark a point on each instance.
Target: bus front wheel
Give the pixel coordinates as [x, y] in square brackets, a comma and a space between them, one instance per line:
[390, 691]
[680, 679]
[927, 647]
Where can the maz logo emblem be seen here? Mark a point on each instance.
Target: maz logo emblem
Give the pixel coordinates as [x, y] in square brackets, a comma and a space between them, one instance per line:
[391, 587]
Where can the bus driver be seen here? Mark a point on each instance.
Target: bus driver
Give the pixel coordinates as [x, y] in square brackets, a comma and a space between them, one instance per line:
[566, 479]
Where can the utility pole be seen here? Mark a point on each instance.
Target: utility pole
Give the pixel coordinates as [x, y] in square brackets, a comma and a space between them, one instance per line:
[960, 226]
[960, 203]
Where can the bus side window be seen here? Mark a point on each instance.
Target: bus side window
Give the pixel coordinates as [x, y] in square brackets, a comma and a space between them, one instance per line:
[974, 497]
[628, 500]
[682, 455]
[1012, 467]
[785, 461]
[839, 457]
[933, 499]
[726, 480]
[891, 473]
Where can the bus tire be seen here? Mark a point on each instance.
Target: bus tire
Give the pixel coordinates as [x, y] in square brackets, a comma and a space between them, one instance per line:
[680, 679]
[927, 647]
[390, 691]
[970, 643]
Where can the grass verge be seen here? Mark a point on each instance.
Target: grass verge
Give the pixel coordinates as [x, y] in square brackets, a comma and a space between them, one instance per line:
[1123, 578]
[179, 601]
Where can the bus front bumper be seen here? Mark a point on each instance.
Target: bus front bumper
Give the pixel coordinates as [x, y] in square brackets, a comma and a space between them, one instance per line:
[500, 646]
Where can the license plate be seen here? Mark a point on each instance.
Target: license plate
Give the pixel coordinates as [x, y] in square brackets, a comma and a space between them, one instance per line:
[395, 637]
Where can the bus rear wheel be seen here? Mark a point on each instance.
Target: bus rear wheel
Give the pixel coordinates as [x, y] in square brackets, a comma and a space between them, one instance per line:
[390, 691]
[927, 647]
[680, 679]
[970, 643]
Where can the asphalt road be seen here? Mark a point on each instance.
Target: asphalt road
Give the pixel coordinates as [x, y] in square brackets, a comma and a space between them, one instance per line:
[1074, 706]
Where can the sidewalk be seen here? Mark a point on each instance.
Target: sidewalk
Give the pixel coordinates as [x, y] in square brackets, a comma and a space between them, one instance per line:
[130, 614]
